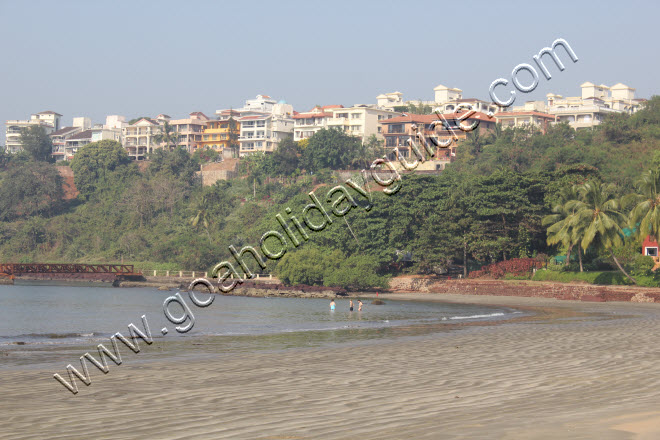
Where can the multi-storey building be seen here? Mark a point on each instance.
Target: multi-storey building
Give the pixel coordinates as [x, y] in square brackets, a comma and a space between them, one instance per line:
[594, 105]
[59, 138]
[397, 132]
[222, 133]
[522, 118]
[361, 120]
[75, 142]
[139, 137]
[447, 99]
[308, 123]
[264, 122]
[262, 132]
[48, 120]
[189, 131]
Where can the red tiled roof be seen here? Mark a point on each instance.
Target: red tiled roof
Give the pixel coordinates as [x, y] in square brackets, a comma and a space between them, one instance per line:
[198, 114]
[332, 106]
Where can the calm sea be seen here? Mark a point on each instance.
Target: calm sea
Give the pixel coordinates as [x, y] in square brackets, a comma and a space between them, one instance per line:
[40, 320]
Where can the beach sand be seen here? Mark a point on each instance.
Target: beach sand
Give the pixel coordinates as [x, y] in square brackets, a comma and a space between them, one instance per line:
[576, 371]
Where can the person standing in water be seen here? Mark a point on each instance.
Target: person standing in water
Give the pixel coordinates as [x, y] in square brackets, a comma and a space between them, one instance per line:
[350, 306]
[359, 305]
[332, 304]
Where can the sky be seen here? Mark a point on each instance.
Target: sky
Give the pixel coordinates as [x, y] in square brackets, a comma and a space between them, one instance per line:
[140, 58]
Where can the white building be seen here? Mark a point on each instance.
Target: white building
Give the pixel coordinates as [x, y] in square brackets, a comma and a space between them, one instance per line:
[446, 98]
[264, 122]
[49, 120]
[308, 123]
[594, 105]
[138, 137]
[361, 120]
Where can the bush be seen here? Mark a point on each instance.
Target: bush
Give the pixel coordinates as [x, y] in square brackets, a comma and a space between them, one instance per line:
[641, 265]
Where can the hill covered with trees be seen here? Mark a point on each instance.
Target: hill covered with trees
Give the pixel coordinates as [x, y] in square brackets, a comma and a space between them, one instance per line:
[486, 207]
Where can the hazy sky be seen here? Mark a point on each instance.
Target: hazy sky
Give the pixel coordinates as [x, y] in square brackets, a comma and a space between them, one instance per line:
[133, 58]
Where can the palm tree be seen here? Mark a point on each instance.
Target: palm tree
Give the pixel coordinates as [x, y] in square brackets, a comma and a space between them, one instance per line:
[597, 219]
[167, 136]
[646, 212]
[560, 229]
[201, 218]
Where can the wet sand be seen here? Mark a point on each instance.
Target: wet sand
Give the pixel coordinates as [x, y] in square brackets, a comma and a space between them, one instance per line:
[576, 371]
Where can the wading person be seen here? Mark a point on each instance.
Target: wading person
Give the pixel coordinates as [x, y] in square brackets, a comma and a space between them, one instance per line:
[332, 304]
[350, 306]
[359, 306]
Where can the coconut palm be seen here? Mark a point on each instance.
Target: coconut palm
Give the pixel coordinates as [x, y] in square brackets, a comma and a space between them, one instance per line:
[201, 217]
[167, 136]
[646, 211]
[597, 219]
[559, 227]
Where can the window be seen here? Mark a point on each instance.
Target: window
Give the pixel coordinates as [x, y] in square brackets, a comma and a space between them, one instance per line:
[261, 123]
[380, 129]
[355, 115]
[341, 115]
[396, 128]
[356, 127]
[652, 251]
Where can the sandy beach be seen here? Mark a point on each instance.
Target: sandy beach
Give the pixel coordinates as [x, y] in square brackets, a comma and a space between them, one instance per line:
[575, 371]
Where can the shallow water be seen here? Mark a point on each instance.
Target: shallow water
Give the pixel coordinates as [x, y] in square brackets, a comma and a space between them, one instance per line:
[50, 320]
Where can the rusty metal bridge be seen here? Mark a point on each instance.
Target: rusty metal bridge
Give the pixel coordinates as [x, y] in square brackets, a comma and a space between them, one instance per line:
[105, 272]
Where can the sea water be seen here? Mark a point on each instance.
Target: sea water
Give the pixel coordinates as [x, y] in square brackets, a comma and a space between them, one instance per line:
[38, 317]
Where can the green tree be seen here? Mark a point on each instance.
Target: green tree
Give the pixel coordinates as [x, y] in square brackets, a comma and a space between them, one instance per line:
[560, 228]
[646, 212]
[94, 164]
[597, 219]
[285, 160]
[330, 149]
[37, 144]
[357, 272]
[30, 189]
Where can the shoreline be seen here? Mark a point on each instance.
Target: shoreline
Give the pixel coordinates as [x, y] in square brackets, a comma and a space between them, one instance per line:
[408, 285]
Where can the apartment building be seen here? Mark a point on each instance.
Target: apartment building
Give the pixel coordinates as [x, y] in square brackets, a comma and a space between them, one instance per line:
[262, 132]
[308, 123]
[75, 142]
[139, 137]
[593, 106]
[447, 99]
[361, 120]
[397, 131]
[48, 120]
[190, 130]
[264, 122]
[523, 118]
[59, 138]
[222, 133]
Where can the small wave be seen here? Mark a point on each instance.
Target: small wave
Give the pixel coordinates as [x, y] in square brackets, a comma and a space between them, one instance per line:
[477, 316]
